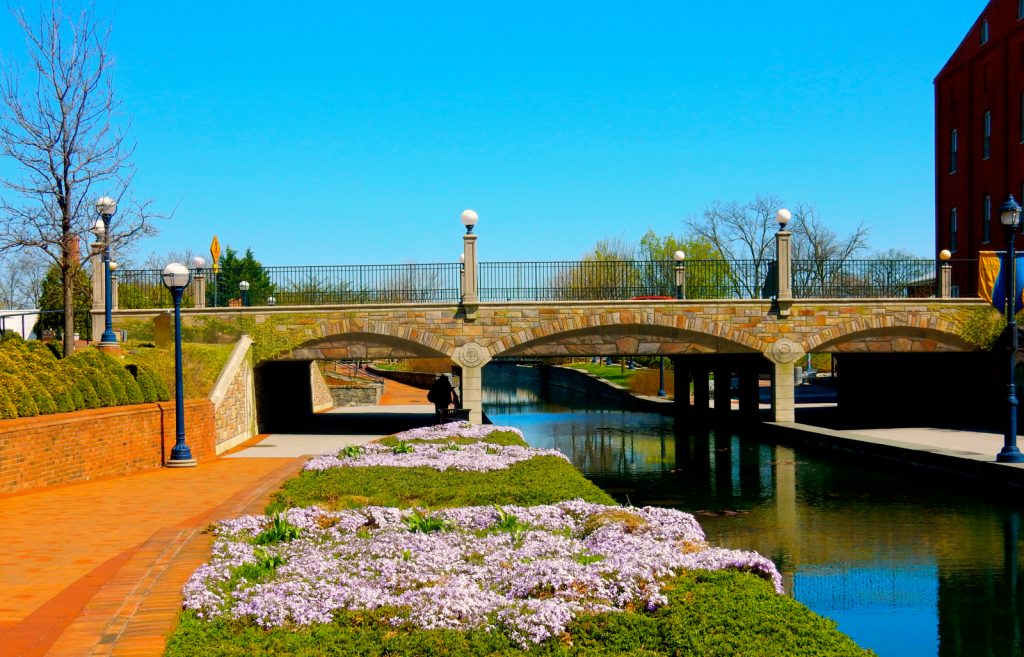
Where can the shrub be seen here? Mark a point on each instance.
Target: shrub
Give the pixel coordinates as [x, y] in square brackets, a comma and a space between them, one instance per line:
[132, 390]
[145, 380]
[8, 409]
[58, 390]
[44, 401]
[20, 395]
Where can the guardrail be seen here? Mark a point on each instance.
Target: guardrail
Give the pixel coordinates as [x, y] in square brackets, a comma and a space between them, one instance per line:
[535, 281]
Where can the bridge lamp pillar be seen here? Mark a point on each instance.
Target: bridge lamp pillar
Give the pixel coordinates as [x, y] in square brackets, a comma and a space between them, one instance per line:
[199, 281]
[470, 296]
[945, 275]
[680, 268]
[784, 256]
[243, 286]
[462, 274]
[105, 208]
[1009, 216]
[177, 277]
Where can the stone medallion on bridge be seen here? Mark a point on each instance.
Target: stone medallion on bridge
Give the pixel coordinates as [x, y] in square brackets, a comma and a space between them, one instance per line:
[785, 350]
[471, 354]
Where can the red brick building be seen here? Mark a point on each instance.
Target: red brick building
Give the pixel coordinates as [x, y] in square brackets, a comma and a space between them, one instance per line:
[979, 137]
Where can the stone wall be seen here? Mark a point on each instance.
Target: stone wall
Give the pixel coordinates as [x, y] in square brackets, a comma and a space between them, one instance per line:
[323, 398]
[63, 448]
[234, 400]
[421, 380]
[366, 396]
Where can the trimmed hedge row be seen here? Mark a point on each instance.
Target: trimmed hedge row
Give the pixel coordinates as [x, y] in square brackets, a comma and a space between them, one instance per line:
[34, 381]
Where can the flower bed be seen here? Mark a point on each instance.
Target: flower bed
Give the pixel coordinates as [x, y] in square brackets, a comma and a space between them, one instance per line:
[478, 457]
[527, 571]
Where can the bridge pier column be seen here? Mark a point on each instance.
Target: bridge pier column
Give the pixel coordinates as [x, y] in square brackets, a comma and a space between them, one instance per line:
[723, 393]
[681, 377]
[783, 353]
[701, 391]
[472, 357]
[748, 391]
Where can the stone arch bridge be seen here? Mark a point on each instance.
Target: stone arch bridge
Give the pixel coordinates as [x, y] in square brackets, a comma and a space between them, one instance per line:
[749, 335]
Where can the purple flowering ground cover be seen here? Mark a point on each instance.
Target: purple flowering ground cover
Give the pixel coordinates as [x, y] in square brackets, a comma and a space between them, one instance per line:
[526, 571]
[435, 447]
[571, 578]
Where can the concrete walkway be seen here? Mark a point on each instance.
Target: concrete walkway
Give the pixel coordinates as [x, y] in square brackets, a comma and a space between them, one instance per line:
[97, 568]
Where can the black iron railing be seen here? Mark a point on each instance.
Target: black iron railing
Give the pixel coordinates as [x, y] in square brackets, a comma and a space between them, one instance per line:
[588, 280]
[885, 279]
[598, 280]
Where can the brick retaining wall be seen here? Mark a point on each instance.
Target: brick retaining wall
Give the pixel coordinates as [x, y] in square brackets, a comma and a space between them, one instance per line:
[62, 448]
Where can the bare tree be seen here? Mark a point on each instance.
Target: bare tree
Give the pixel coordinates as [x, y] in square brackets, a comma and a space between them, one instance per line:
[21, 279]
[821, 256]
[741, 232]
[60, 135]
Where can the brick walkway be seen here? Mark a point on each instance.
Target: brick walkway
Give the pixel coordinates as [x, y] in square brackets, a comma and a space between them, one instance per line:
[97, 568]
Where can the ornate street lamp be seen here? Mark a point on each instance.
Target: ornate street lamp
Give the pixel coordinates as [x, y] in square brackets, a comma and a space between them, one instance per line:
[680, 268]
[105, 208]
[177, 277]
[1009, 216]
[244, 287]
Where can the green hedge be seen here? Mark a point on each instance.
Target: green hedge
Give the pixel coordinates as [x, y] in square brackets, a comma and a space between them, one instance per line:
[34, 381]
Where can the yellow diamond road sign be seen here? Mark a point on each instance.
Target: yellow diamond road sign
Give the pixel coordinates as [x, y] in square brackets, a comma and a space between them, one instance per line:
[215, 253]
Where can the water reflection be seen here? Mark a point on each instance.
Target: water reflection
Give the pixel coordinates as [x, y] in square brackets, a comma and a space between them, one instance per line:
[904, 566]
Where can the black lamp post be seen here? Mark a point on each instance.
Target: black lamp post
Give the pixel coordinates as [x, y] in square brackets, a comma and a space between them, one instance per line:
[1009, 216]
[106, 207]
[680, 268]
[661, 377]
[177, 277]
[244, 287]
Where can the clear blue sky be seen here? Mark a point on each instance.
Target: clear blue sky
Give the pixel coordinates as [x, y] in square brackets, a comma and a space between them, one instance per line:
[345, 132]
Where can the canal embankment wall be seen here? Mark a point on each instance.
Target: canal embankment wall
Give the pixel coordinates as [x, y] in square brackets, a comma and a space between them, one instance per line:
[959, 456]
[585, 383]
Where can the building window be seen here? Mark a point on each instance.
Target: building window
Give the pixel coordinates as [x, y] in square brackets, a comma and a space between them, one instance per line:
[952, 230]
[1022, 114]
[986, 143]
[986, 220]
[953, 148]
[984, 30]
[1020, 9]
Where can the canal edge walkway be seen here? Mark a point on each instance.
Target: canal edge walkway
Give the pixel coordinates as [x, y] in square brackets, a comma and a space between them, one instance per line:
[964, 454]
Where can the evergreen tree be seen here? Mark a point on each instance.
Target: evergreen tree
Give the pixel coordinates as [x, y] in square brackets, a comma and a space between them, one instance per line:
[52, 299]
[234, 270]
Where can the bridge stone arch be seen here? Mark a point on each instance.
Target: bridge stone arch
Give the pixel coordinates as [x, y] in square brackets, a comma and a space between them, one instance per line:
[625, 333]
[360, 345]
[855, 336]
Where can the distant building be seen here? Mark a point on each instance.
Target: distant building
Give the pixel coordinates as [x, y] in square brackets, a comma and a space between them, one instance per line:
[979, 137]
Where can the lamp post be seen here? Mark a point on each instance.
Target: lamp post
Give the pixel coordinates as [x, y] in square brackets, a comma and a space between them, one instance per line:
[177, 277]
[106, 207]
[680, 268]
[661, 377]
[945, 275]
[469, 289]
[244, 287]
[1009, 216]
[271, 301]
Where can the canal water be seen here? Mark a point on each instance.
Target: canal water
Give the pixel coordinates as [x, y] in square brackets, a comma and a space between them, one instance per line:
[907, 566]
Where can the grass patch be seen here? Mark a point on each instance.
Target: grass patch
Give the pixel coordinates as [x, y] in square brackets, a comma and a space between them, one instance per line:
[715, 614]
[613, 373]
[541, 480]
[201, 364]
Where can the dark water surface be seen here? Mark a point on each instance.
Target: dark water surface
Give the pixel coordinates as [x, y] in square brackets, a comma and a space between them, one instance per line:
[905, 565]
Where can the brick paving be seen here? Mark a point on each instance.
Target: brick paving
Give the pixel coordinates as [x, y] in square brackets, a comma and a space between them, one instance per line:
[97, 568]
